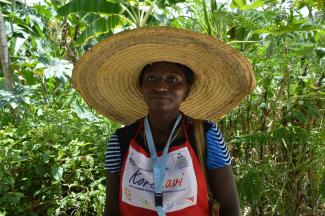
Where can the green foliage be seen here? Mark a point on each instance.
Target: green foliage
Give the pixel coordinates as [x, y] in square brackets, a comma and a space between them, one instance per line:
[98, 27]
[52, 144]
[52, 160]
[277, 134]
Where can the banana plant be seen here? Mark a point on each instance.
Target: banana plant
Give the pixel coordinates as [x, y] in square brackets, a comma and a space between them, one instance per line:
[108, 16]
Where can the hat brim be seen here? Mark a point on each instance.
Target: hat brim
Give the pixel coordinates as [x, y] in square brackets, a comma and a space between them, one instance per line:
[107, 76]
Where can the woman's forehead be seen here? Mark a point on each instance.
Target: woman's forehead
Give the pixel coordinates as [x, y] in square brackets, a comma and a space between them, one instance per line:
[163, 67]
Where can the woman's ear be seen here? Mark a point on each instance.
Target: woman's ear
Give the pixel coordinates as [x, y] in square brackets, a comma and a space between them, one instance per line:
[140, 86]
[187, 91]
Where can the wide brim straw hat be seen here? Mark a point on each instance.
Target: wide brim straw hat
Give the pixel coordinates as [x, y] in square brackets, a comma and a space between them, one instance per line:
[107, 76]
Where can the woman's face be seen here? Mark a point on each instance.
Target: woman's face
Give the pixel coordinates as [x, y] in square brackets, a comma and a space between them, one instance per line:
[164, 87]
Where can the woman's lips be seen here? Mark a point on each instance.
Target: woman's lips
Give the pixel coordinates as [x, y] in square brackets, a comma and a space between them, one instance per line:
[163, 99]
[160, 98]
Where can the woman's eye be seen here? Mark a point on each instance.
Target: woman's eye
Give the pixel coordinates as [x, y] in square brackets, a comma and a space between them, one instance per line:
[150, 78]
[173, 79]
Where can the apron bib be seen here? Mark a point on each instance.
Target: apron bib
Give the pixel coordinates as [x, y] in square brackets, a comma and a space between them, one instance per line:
[184, 185]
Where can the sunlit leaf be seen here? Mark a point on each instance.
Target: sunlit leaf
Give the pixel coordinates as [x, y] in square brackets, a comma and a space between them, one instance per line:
[5, 1]
[98, 6]
[82, 113]
[241, 4]
[54, 67]
[13, 104]
[19, 42]
[39, 112]
[57, 173]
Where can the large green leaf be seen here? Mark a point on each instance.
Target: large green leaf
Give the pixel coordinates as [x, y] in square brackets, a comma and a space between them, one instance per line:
[100, 26]
[242, 5]
[36, 22]
[54, 67]
[83, 113]
[91, 6]
[6, 2]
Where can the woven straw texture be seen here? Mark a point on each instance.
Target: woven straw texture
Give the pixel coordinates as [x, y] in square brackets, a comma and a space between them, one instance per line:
[107, 76]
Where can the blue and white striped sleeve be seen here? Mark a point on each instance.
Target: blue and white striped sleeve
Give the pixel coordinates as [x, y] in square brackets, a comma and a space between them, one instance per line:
[217, 154]
[113, 157]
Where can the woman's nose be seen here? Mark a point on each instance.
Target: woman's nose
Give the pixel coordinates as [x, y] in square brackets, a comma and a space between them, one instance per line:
[161, 85]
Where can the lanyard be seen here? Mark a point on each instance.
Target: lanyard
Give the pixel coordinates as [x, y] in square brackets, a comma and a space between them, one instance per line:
[158, 163]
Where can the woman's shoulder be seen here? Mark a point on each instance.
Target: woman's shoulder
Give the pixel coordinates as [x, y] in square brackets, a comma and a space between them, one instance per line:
[207, 124]
[129, 128]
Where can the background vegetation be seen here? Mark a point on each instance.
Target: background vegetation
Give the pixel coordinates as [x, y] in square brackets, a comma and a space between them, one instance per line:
[52, 144]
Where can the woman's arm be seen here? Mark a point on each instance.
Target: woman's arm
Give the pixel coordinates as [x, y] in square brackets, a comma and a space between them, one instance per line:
[113, 164]
[223, 188]
[112, 206]
[219, 171]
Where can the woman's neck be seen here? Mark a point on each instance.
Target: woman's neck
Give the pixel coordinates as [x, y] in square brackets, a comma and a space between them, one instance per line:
[162, 122]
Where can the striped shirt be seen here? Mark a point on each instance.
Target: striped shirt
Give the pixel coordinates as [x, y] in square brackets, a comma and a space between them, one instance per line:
[217, 154]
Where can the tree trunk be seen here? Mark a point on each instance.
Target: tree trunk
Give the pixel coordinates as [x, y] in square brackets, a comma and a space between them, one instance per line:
[4, 56]
[5, 62]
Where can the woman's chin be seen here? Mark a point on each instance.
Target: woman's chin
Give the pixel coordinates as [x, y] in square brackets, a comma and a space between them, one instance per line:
[163, 108]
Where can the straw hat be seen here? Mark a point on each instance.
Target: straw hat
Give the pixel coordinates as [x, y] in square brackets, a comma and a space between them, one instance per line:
[107, 76]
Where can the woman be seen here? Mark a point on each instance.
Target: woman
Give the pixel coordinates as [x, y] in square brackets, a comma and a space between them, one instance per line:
[148, 76]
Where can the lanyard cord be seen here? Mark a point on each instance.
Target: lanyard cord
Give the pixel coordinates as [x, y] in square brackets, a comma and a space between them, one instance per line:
[171, 142]
[158, 164]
